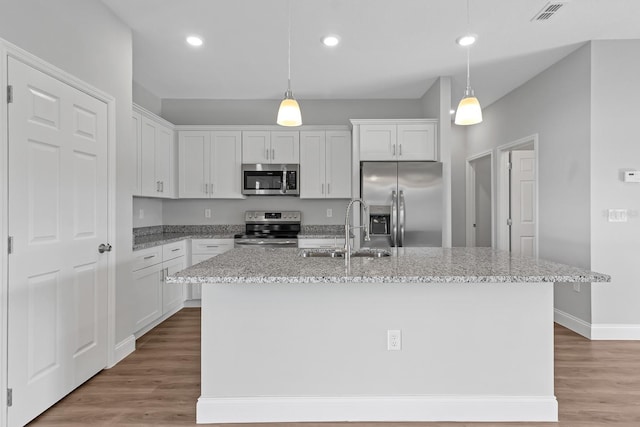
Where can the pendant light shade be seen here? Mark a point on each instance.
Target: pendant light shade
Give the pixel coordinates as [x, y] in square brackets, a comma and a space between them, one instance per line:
[289, 112]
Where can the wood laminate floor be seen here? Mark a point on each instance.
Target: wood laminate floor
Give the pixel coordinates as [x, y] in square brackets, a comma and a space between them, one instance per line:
[597, 384]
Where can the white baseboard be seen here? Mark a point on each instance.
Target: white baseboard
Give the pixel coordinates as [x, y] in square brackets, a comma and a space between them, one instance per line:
[615, 331]
[569, 321]
[123, 349]
[598, 331]
[376, 408]
[193, 303]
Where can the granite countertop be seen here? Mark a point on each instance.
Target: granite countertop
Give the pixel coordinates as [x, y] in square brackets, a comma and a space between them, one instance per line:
[149, 237]
[406, 265]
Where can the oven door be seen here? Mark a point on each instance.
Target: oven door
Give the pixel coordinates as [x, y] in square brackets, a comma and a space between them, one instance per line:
[270, 180]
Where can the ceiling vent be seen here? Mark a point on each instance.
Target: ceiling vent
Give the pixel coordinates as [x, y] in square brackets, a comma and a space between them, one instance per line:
[549, 10]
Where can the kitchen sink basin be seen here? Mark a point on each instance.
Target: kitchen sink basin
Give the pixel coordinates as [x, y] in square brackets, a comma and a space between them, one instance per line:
[339, 253]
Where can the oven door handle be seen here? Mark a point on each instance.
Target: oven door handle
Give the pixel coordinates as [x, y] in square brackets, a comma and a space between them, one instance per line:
[262, 243]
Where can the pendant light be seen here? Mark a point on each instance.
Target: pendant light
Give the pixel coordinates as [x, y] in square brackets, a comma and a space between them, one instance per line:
[289, 111]
[469, 111]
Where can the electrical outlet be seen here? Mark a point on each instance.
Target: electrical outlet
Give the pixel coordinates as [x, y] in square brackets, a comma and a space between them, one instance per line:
[394, 339]
[207, 213]
[329, 213]
[576, 287]
[141, 214]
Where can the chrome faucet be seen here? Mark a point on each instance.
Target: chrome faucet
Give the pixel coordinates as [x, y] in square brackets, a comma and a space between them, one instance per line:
[348, 228]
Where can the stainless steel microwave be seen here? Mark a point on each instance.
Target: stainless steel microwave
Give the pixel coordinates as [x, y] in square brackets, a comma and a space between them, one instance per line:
[270, 179]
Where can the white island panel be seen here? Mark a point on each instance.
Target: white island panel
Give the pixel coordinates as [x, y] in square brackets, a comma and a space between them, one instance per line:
[318, 352]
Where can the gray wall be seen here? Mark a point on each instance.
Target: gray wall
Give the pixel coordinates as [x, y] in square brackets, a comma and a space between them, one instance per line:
[191, 212]
[482, 168]
[314, 112]
[146, 99]
[614, 148]
[83, 38]
[458, 185]
[151, 210]
[556, 105]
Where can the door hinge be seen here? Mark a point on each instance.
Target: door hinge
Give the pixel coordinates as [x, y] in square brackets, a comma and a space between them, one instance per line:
[10, 244]
[9, 94]
[509, 222]
[9, 397]
[509, 165]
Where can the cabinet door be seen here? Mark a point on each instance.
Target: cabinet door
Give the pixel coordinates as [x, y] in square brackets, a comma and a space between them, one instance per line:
[164, 160]
[312, 165]
[256, 146]
[285, 147]
[149, 186]
[226, 165]
[147, 296]
[136, 130]
[172, 293]
[417, 142]
[193, 164]
[378, 142]
[338, 165]
[196, 288]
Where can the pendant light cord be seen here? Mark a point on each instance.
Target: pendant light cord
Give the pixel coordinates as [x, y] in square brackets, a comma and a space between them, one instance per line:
[289, 51]
[468, 50]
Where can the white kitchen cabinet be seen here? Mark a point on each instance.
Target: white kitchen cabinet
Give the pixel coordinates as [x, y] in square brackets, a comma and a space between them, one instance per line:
[136, 130]
[406, 140]
[210, 164]
[152, 297]
[155, 149]
[202, 250]
[270, 147]
[325, 164]
[333, 243]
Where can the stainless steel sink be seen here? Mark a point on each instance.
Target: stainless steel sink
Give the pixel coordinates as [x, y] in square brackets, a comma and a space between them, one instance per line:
[339, 253]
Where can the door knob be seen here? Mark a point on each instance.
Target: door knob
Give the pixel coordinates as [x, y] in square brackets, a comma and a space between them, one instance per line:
[104, 248]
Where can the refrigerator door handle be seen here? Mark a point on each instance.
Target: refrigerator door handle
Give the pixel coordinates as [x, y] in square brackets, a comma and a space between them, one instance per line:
[394, 219]
[401, 217]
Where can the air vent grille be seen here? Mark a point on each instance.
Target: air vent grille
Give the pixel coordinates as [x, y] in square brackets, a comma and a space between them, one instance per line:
[548, 11]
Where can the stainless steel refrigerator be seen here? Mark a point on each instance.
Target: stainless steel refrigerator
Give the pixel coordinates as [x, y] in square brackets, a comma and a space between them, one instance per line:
[405, 203]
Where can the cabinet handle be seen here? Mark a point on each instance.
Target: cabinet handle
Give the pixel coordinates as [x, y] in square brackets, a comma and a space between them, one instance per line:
[267, 153]
[211, 188]
[162, 186]
[149, 257]
[212, 246]
[322, 189]
[273, 154]
[394, 149]
[328, 188]
[175, 250]
[157, 186]
[401, 149]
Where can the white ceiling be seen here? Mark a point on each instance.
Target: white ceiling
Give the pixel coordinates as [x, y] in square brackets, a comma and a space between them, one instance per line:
[389, 49]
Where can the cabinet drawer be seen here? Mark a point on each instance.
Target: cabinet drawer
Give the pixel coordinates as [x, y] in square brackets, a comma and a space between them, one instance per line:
[211, 246]
[336, 242]
[173, 250]
[147, 257]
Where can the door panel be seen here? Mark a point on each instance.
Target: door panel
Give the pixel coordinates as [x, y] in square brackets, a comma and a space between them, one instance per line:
[193, 169]
[285, 147]
[57, 217]
[338, 164]
[226, 165]
[312, 165]
[523, 203]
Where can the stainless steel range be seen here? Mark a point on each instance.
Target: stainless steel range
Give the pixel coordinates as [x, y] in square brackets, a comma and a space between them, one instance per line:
[270, 229]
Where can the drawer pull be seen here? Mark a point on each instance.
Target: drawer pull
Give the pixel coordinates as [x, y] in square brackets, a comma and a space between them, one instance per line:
[149, 257]
[213, 246]
[175, 250]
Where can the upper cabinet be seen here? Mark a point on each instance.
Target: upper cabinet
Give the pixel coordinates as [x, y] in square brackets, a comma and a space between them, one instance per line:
[155, 155]
[270, 147]
[404, 140]
[325, 164]
[210, 164]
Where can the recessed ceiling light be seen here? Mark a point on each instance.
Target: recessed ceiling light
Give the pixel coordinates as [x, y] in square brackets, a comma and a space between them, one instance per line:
[194, 41]
[467, 39]
[331, 41]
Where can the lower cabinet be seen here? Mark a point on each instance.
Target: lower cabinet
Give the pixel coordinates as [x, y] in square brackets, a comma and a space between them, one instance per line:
[152, 297]
[202, 250]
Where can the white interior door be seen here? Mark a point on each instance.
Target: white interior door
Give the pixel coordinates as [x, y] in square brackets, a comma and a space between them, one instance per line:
[523, 203]
[57, 218]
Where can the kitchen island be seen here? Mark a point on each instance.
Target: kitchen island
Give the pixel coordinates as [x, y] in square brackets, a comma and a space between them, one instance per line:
[287, 338]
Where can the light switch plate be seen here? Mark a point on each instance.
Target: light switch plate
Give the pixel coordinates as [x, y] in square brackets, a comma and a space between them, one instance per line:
[618, 215]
